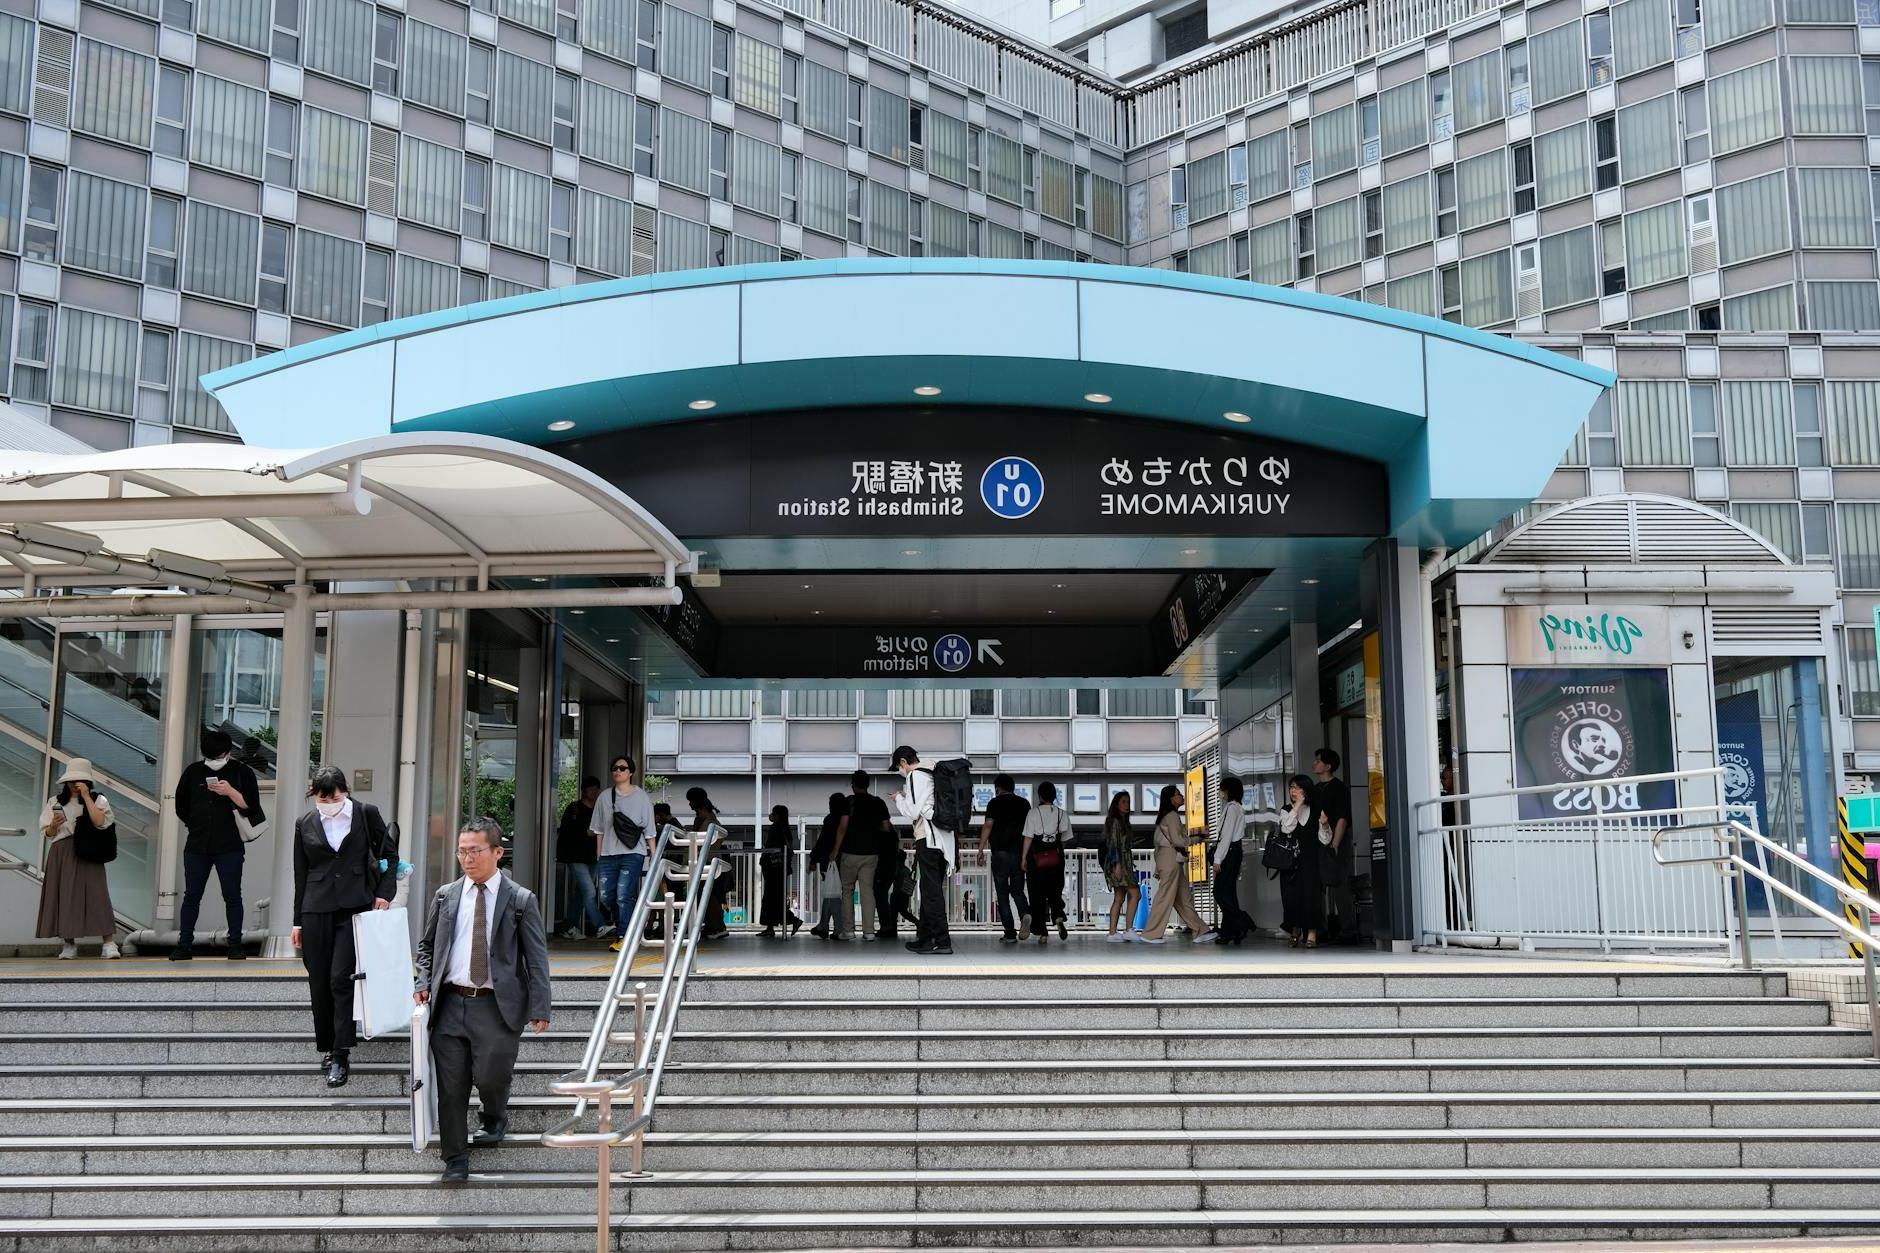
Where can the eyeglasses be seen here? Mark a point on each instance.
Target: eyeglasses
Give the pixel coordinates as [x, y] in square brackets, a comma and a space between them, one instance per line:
[623, 769]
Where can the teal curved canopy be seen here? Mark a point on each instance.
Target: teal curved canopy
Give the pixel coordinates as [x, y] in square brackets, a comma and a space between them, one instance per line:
[1470, 425]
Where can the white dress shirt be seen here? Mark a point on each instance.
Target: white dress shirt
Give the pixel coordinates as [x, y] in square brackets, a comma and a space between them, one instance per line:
[1233, 826]
[459, 971]
[337, 829]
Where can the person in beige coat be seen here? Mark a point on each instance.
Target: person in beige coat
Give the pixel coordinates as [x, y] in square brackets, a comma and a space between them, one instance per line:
[1172, 889]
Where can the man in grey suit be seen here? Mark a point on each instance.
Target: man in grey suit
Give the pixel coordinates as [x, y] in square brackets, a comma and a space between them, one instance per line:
[483, 967]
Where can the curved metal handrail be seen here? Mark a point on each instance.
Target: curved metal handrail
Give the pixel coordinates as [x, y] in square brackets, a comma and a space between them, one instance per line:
[683, 921]
[1730, 835]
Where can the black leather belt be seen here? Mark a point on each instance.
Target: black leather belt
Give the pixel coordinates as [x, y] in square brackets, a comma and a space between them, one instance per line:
[460, 990]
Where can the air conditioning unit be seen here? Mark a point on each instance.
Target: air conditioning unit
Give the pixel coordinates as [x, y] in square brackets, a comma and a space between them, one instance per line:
[916, 157]
[1443, 126]
[1373, 150]
[1520, 100]
[1178, 216]
[1527, 283]
[1702, 234]
[382, 171]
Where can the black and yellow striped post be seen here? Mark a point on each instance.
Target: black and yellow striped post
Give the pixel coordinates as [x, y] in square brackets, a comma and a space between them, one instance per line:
[1858, 873]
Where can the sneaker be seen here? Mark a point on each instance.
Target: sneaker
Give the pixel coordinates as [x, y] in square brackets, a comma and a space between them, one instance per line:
[604, 932]
[110, 951]
[1042, 937]
[1143, 939]
[238, 954]
[935, 950]
[1115, 938]
[1008, 938]
[182, 953]
[1064, 932]
[614, 947]
[1207, 937]
[868, 937]
[572, 933]
[68, 952]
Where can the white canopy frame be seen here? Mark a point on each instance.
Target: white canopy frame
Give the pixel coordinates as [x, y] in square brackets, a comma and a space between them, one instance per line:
[186, 529]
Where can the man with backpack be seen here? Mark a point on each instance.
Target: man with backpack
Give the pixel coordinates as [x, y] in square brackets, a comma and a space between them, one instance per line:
[935, 803]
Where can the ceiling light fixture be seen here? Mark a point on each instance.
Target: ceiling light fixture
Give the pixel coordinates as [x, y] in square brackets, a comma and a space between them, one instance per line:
[926, 391]
[1096, 398]
[1189, 552]
[1235, 415]
[613, 639]
[1309, 582]
[561, 424]
[577, 611]
[910, 552]
[702, 405]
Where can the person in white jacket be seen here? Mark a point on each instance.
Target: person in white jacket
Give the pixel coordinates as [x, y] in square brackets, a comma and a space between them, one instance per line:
[933, 853]
[1236, 925]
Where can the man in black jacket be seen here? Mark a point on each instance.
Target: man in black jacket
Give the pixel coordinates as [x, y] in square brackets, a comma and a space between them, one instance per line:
[344, 863]
[208, 796]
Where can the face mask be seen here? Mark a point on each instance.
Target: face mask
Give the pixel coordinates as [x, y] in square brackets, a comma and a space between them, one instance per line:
[330, 810]
[216, 763]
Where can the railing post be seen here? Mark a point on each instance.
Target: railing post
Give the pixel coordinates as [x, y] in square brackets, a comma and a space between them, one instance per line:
[602, 1202]
[1740, 876]
[1873, 984]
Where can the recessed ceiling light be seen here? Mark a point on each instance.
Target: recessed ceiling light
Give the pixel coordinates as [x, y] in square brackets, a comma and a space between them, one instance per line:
[816, 612]
[577, 611]
[1310, 582]
[1050, 611]
[926, 391]
[633, 659]
[561, 424]
[613, 639]
[806, 587]
[1230, 652]
[910, 552]
[1057, 585]
[1235, 415]
[539, 579]
[702, 405]
[1096, 398]
[1189, 552]
[1279, 609]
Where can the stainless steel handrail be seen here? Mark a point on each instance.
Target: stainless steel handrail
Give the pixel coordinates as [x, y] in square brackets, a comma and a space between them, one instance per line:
[682, 922]
[1730, 836]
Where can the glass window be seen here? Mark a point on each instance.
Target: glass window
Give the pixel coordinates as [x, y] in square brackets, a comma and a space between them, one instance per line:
[564, 112]
[1406, 211]
[95, 367]
[1772, 309]
[1560, 165]
[1654, 244]
[1758, 427]
[1404, 117]
[1835, 207]
[219, 260]
[1696, 124]
[476, 197]
[525, 94]
[386, 33]
[519, 209]
[1569, 268]
[1487, 289]
[169, 135]
[337, 38]
[376, 288]
[434, 67]
[281, 127]
[1860, 544]
[1334, 142]
[1605, 154]
[1641, 35]
[684, 151]
[1745, 107]
[165, 241]
[1478, 88]
[761, 74]
[112, 685]
[645, 129]
[1338, 229]
[887, 124]
[1725, 20]
[1648, 137]
[275, 248]
[720, 163]
[1843, 306]
[326, 278]
[1557, 61]
[104, 225]
[113, 92]
[1863, 673]
[721, 63]
[1482, 189]
[1753, 218]
[32, 353]
[561, 222]
[480, 84]
[1854, 410]
[44, 191]
[197, 355]
[1827, 95]
[1706, 432]
[1522, 176]
[16, 63]
[1655, 422]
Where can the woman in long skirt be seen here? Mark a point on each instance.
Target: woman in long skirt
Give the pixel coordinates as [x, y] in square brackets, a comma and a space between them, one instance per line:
[773, 858]
[1301, 889]
[76, 900]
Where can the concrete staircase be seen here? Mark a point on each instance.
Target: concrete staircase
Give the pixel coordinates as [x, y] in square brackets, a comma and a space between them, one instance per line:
[151, 1111]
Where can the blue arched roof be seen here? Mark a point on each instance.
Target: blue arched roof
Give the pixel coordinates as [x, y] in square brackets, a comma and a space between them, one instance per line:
[1470, 424]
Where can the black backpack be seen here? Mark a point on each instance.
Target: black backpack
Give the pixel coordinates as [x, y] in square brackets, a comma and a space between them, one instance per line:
[953, 794]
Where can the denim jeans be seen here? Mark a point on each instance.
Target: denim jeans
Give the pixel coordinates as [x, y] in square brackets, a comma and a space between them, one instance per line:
[228, 871]
[1008, 889]
[620, 885]
[582, 909]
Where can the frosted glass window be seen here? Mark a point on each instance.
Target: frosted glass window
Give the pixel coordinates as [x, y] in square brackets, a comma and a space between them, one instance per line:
[605, 132]
[1641, 35]
[1725, 20]
[12, 192]
[1860, 546]
[1557, 62]
[327, 278]
[685, 47]
[1775, 520]
[1407, 213]
[756, 175]
[1836, 207]
[1854, 412]
[1214, 260]
[1653, 422]
[1482, 189]
[825, 199]
[1268, 167]
[1271, 248]
[1654, 245]
[1569, 268]
[946, 146]
[1826, 92]
[111, 93]
[1487, 289]
[1851, 306]
[16, 65]
[683, 243]
[197, 355]
[684, 150]
[1055, 195]
[1837, 12]
[336, 39]
[1673, 320]
[1745, 107]
[333, 156]
[1335, 141]
[1413, 294]
[96, 363]
[1106, 208]
[1769, 310]
[949, 231]
[887, 124]
[430, 183]
[1648, 138]
[1340, 230]
[1756, 424]
[1403, 115]
[754, 252]
[1478, 91]
[243, 23]
[518, 209]
[826, 101]
[220, 251]
[525, 96]
[228, 126]
[759, 81]
[104, 225]
[434, 67]
[605, 241]
[1560, 165]
[1207, 187]
[607, 27]
[1753, 218]
[1005, 168]
[539, 14]
[424, 286]
[886, 218]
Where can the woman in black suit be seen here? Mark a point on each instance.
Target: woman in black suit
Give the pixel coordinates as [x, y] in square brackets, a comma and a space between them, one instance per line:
[344, 863]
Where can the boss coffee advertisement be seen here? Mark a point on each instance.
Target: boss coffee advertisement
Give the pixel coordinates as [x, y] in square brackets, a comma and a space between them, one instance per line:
[1576, 730]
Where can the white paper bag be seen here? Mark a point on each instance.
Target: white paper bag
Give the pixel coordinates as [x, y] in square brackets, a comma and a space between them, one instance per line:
[382, 971]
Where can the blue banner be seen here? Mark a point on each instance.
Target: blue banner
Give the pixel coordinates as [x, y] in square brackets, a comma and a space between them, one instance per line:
[1740, 753]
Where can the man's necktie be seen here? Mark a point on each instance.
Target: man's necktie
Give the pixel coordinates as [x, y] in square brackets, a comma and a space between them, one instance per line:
[479, 944]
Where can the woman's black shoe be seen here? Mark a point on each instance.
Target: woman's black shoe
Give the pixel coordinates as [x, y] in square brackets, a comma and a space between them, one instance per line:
[769, 933]
[796, 925]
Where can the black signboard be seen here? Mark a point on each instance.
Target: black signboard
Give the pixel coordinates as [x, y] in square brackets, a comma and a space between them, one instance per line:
[1192, 607]
[944, 472]
[1578, 729]
[946, 653]
[689, 626]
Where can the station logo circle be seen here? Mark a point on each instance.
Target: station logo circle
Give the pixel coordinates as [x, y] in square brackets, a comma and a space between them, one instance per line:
[952, 653]
[1011, 488]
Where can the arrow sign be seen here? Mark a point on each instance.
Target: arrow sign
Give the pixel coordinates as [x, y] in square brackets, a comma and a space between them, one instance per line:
[989, 651]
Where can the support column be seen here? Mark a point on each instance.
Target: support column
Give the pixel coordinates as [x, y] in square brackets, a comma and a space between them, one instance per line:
[290, 765]
[1395, 607]
[179, 689]
[535, 729]
[1308, 718]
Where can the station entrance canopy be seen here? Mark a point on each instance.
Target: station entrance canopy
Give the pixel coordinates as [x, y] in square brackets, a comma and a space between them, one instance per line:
[954, 447]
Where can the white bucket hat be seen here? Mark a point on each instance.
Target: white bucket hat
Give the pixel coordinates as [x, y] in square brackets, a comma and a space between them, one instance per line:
[77, 768]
